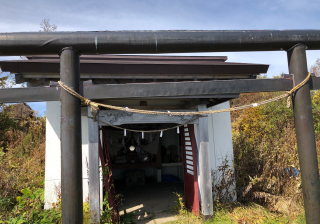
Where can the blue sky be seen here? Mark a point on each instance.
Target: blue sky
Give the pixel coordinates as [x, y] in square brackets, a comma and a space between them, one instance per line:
[80, 15]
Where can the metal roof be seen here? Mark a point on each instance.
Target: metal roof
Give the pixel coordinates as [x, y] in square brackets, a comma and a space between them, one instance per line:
[104, 69]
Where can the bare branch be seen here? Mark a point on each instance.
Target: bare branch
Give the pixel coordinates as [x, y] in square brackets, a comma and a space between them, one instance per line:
[46, 26]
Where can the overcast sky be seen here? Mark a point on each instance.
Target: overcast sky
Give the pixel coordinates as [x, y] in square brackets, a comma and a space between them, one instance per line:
[80, 15]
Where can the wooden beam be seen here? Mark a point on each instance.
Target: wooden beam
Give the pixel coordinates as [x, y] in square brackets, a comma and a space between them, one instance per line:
[167, 41]
[34, 94]
[121, 117]
[94, 177]
[155, 90]
[204, 167]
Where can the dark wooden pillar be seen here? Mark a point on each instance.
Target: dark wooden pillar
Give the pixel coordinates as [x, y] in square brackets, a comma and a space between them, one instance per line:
[303, 121]
[71, 150]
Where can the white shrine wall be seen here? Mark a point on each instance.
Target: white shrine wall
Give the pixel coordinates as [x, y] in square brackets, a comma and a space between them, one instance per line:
[53, 154]
[220, 141]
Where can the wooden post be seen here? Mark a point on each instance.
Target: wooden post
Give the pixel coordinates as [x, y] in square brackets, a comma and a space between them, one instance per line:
[71, 150]
[205, 167]
[303, 121]
[94, 177]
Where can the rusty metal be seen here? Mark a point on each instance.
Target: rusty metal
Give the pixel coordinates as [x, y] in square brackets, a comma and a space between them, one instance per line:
[138, 42]
[71, 149]
[305, 135]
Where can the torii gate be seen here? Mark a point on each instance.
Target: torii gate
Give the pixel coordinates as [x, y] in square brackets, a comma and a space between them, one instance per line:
[69, 45]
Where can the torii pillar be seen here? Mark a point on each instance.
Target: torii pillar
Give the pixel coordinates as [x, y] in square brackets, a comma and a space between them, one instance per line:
[303, 122]
[71, 151]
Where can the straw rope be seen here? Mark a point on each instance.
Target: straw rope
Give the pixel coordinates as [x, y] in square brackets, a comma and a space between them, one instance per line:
[95, 106]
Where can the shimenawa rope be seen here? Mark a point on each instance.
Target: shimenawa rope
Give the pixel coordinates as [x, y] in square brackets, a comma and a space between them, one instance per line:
[95, 106]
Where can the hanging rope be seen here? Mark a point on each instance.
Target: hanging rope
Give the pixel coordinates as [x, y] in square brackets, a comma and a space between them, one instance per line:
[95, 106]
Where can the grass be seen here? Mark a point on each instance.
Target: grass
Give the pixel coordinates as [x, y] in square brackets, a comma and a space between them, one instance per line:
[226, 213]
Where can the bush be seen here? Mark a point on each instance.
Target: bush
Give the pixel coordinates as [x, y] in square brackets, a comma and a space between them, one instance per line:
[265, 150]
[22, 155]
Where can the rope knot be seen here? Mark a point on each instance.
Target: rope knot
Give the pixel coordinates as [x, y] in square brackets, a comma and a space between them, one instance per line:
[87, 102]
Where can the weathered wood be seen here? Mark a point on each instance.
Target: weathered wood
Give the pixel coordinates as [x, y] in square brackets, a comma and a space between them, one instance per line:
[94, 177]
[115, 117]
[70, 135]
[138, 42]
[204, 167]
[304, 127]
[155, 90]
[34, 94]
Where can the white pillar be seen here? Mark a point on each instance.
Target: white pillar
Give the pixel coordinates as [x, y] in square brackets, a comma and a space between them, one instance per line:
[220, 141]
[53, 154]
[204, 166]
[94, 177]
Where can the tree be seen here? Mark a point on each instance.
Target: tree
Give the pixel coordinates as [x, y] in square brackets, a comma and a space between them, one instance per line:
[46, 26]
[316, 68]
[5, 80]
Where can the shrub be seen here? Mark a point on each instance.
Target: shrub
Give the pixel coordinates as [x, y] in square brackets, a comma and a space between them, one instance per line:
[265, 150]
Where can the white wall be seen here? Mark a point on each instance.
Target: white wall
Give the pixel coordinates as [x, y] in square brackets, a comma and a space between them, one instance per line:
[220, 139]
[53, 154]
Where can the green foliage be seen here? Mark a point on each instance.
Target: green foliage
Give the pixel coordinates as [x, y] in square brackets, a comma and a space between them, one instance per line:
[316, 111]
[109, 214]
[179, 207]
[265, 152]
[127, 218]
[29, 209]
[106, 215]
[22, 147]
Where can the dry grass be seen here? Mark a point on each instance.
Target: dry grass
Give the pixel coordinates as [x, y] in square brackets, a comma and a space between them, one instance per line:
[22, 158]
[226, 213]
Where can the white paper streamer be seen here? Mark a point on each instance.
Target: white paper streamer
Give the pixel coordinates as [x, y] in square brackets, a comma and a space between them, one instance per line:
[178, 131]
[142, 135]
[125, 132]
[161, 134]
